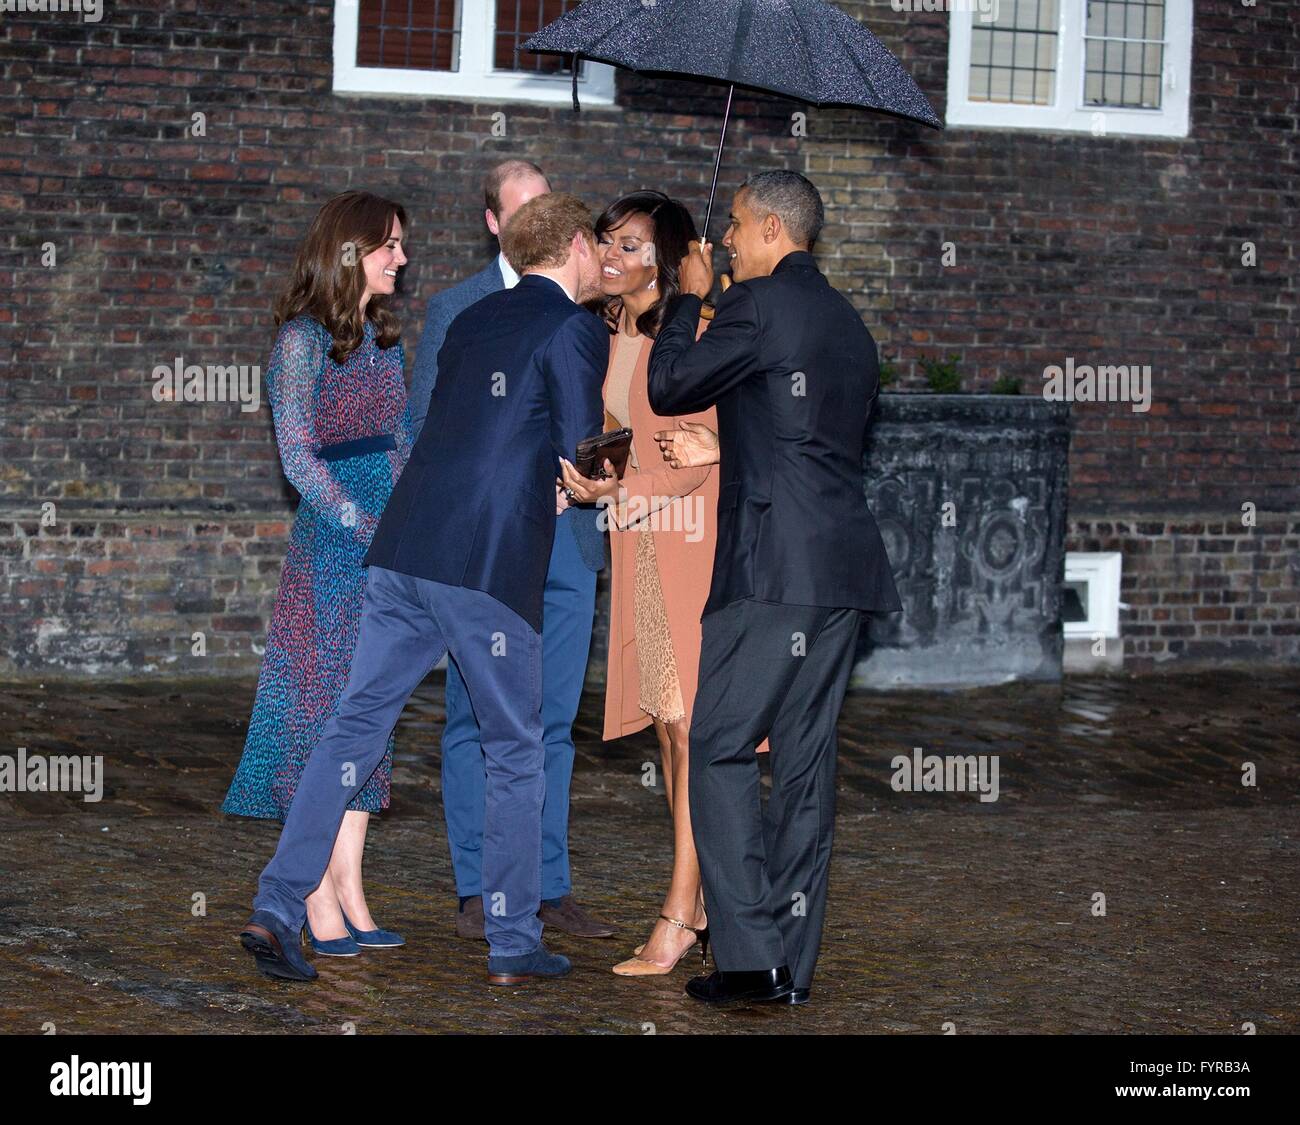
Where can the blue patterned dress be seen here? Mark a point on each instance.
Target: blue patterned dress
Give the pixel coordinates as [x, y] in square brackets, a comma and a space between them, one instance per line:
[344, 434]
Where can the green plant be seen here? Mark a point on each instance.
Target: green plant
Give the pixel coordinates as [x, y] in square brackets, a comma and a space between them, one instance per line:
[1006, 385]
[942, 375]
[888, 372]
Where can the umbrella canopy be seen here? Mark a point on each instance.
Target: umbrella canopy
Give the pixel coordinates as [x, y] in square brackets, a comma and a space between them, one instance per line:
[805, 49]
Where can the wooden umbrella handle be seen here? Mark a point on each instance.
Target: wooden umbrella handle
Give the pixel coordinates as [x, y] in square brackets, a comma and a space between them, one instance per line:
[707, 310]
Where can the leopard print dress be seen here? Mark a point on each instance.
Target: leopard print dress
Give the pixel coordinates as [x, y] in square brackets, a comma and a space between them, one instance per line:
[660, 686]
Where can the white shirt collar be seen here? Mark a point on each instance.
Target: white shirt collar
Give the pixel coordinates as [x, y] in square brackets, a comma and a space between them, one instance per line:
[508, 274]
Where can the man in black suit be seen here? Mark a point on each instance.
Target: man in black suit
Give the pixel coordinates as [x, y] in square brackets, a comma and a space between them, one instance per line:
[793, 373]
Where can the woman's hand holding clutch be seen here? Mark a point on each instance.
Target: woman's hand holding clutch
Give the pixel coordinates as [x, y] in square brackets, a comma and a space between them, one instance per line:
[581, 490]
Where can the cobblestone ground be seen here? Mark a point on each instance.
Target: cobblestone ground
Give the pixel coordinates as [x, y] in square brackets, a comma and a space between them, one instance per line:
[942, 908]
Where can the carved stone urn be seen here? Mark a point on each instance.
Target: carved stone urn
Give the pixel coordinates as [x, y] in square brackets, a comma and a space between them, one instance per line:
[969, 491]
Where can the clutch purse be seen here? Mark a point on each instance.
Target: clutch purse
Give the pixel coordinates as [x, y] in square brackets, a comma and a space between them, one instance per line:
[592, 452]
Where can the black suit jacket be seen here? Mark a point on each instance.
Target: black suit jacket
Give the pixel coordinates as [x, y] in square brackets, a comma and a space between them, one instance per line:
[793, 373]
[519, 385]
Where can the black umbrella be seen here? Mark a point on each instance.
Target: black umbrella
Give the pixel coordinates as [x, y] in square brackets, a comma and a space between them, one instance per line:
[806, 49]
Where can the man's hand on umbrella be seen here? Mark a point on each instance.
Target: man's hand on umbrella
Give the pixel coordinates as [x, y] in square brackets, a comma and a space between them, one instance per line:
[691, 446]
[696, 273]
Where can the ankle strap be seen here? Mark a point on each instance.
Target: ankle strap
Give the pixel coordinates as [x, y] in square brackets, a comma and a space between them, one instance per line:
[679, 923]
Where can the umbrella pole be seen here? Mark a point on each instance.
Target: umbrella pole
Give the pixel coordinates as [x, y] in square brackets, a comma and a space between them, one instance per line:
[722, 140]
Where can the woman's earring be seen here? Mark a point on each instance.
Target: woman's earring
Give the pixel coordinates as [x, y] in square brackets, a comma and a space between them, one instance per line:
[652, 284]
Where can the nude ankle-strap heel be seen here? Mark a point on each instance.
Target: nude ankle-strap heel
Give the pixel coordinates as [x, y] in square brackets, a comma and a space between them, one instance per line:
[638, 966]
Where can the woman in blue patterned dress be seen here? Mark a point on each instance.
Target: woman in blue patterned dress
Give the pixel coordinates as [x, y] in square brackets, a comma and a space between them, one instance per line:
[335, 386]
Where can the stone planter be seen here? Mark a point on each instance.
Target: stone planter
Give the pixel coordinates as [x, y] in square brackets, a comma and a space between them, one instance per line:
[980, 580]
[970, 494]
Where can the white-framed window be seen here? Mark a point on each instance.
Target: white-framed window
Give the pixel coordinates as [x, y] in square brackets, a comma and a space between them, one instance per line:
[459, 49]
[1106, 67]
[1095, 577]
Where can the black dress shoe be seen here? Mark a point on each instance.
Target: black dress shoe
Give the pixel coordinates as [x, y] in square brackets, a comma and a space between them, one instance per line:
[761, 985]
[798, 996]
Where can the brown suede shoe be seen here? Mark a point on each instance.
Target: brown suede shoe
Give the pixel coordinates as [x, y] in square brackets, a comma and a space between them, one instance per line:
[572, 919]
[469, 922]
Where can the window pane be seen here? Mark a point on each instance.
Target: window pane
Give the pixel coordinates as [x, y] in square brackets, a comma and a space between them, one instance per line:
[517, 22]
[1013, 58]
[411, 34]
[1047, 54]
[1124, 53]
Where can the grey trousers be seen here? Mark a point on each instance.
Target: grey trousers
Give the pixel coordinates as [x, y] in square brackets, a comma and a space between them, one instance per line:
[776, 671]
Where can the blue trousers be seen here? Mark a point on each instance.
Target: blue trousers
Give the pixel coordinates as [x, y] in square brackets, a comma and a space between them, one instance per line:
[406, 625]
[570, 608]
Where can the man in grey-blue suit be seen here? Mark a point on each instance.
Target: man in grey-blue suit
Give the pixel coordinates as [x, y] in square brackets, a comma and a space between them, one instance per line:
[570, 601]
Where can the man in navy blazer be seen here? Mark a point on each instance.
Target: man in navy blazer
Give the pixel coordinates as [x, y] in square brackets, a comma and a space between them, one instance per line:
[570, 608]
[458, 564]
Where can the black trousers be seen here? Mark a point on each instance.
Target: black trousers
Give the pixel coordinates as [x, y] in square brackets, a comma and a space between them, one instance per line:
[776, 671]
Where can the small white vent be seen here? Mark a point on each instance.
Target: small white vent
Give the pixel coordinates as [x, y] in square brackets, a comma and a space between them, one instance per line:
[1094, 577]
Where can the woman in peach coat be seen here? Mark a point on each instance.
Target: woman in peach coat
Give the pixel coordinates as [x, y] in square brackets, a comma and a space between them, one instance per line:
[662, 536]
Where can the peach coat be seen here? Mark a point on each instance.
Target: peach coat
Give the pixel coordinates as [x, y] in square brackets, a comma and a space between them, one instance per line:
[684, 546]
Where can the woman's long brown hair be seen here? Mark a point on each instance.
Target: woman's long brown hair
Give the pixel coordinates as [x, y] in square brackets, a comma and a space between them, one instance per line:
[328, 278]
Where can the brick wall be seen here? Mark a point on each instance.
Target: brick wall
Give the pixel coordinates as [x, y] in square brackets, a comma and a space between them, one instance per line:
[1203, 589]
[169, 518]
[127, 593]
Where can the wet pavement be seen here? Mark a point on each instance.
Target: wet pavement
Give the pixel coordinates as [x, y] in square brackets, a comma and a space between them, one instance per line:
[120, 915]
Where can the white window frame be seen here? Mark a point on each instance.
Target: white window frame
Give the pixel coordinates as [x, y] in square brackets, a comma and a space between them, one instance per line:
[1069, 113]
[476, 78]
[1101, 572]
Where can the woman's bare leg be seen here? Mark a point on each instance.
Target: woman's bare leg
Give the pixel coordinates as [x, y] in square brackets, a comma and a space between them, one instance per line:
[345, 869]
[684, 900]
[340, 889]
[665, 760]
[323, 914]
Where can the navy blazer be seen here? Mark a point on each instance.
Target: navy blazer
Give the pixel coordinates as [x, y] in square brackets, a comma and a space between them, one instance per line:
[519, 385]
[793, 373]
[441, 310]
